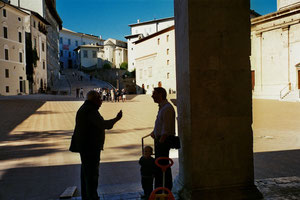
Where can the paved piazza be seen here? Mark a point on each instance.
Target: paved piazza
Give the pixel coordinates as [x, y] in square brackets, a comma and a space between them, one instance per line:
[35, 135]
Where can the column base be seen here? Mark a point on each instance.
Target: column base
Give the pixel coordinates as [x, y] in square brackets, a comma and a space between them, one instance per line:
[230, 193]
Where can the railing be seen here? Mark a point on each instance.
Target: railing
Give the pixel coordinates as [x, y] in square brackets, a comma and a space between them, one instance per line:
[285, 91]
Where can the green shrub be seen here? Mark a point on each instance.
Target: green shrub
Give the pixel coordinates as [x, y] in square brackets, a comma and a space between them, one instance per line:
[124, 66]
[106, 66]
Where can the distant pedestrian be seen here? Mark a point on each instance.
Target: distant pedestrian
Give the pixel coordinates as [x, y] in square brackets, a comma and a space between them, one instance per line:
[112, 95]
[81, 77]
[123, 95]
[81, 93]
[77, 92]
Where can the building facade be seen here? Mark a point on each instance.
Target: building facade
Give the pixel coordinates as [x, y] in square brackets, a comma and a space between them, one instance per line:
[36, 45]
[155, 61]
[47, 9]
[144, 29]
[113, 52]
[13, 79]
[70, 40]
[275, 60]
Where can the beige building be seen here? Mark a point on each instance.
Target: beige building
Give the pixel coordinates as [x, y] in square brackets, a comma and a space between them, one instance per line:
[36, 36]
[113, 52]
[12, 51]
[275, 60]
[155, 61]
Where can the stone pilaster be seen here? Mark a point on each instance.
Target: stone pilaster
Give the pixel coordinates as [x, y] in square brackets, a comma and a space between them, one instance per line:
[214, 99]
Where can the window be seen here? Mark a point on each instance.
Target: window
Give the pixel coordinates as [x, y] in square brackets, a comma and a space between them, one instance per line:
[20, 57]
[168, 62]
[43, 46]
[168, 75]
[69, 41]
[94, 54]
[167, 51]
[167, 38]
[85, 53]
[7, 89]
[33, 23]
[158, 41]
[44, 64]
[20, 37]
[19, 18]
[4, 12]
[61, 53]
[83, 43]
[6, 73]
[76, 43]
[6, 54]
[60, 40]
[5, 32]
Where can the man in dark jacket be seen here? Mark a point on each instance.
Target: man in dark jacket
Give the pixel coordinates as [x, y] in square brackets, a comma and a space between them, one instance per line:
[88, 140]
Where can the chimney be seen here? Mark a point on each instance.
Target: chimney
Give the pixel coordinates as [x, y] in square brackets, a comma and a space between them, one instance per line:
[138, 21]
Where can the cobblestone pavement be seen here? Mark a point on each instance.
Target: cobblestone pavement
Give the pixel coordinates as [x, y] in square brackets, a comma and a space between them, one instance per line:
[35, 134]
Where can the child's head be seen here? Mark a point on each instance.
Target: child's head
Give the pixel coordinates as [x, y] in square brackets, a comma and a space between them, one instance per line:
[148, 151]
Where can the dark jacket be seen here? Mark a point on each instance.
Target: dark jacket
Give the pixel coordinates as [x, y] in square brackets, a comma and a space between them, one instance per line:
[89, 133]
[147, 166]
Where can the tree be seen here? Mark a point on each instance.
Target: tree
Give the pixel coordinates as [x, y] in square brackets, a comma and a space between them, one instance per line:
[124, 66]
[106, 66]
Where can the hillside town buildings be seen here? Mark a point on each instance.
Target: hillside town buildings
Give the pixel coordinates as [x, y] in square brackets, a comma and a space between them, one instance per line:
[70, 40]
[112, 52]
[275, 60]
[47, 9]
[143, 29]
[13, 79]
[155, 61]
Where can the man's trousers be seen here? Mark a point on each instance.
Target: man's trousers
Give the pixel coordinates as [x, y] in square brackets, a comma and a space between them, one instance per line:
[89, 175]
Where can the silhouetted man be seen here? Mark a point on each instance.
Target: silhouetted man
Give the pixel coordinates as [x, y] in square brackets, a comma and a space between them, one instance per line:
[88, 140]
[164, 126]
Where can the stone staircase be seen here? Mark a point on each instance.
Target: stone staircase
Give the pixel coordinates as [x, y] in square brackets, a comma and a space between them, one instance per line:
[85, 82]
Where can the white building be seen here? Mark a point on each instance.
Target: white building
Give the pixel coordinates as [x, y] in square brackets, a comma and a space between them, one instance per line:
[143, 29]
[275, 59]
[155, 61]
[70, 40]
[113, 52]
[12, 51]
[47, 9]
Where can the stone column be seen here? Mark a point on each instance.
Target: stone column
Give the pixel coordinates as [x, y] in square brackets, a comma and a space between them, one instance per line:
[214, 100]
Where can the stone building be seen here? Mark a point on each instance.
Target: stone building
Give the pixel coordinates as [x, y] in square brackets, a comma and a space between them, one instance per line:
[47, 9]
[275, 60]
[13, 79]
[36, 41]
[70, 40]
[113, 52]
[155, 61]
[143, 29]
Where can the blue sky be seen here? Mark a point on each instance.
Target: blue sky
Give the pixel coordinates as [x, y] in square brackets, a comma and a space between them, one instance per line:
[110, 18]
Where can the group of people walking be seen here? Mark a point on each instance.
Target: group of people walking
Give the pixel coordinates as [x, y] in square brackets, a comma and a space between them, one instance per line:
[112, 95]
[89, 137]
